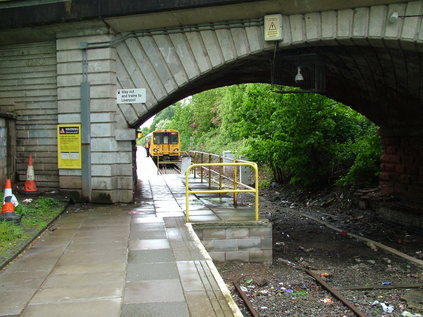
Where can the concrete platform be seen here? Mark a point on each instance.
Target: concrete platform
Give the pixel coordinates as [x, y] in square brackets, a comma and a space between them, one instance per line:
[119, 261]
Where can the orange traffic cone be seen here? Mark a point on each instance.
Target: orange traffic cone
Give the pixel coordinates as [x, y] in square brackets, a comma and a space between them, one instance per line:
[30, 185]
[9, 203]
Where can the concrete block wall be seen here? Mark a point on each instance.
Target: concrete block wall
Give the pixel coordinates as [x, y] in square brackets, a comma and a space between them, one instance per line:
[28, 91]
[111, 139]
[239, 242]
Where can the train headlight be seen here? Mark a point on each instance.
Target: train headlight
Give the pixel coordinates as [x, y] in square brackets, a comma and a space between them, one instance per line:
[156, 150]
[175, 150]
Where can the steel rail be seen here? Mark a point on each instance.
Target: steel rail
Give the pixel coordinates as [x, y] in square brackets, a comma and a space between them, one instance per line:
[246, 300]
[336, 294]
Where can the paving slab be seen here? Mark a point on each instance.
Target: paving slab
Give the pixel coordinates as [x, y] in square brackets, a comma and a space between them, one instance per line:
[151, 271]
[99, 308]
[71, 258]
[199, 304]
[72, 294]
[171, 309]
[14, 301]
[154, 291]
[12, 280]
[151, 256]
[148, 244]
[147, 226]
[90, 268]
[151, 234]
[85, 279]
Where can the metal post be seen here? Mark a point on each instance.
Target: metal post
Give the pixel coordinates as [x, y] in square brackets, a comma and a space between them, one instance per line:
[187, 194]
[209, 172]
[201, 168]
[220, 173]
[235, 184]
[195, 162]
[85, 127]
[257, 191]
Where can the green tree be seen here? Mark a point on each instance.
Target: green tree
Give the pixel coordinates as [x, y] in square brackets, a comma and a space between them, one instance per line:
[182, 121]
[306, 139]
[162, 119]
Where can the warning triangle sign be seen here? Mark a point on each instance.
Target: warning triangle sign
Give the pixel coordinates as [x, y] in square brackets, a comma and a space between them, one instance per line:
[272, 27]
[62, 131]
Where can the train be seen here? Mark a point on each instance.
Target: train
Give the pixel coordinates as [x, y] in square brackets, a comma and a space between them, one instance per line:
[164, 144]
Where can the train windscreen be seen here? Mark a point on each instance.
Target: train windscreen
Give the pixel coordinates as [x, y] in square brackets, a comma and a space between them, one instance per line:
[165, 138]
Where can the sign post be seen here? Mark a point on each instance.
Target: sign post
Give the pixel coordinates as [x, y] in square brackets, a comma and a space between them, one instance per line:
[69, 146]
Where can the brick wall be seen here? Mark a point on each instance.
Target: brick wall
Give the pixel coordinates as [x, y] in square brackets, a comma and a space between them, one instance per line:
[402, 165]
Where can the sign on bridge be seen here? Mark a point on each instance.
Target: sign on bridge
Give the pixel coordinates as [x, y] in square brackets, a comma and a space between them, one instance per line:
[136, 95]
[273, 27]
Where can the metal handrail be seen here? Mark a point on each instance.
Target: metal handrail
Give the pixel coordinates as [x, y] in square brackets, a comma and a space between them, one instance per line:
[223, 191]
[219, 156]
[196, 154]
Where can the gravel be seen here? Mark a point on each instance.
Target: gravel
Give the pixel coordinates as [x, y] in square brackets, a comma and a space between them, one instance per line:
[285, 289]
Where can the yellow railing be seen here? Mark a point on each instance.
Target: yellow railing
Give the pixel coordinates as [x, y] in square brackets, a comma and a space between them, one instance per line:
[235, 190]
[203, 157]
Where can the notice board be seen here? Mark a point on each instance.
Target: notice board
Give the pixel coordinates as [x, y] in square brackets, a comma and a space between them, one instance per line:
[69, 146]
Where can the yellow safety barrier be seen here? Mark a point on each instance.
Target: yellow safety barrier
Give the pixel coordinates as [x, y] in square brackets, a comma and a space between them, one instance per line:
[199, 158]
[223, 191]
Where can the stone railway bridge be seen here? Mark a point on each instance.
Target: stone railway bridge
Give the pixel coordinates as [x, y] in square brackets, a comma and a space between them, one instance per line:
[62, 61]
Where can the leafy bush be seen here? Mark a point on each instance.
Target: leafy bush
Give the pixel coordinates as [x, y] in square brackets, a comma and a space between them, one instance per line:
[365, 170]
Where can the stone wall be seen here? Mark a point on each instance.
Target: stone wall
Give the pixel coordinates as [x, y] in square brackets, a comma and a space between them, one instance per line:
[240, 242]
[28, 92]
[111, 139]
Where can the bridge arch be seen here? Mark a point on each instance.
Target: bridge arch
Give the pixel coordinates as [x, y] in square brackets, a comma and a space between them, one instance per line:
[363, 51]
[372, 61]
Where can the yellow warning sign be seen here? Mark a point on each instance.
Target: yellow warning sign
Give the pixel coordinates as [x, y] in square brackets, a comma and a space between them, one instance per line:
[273, 27]
[69, 146]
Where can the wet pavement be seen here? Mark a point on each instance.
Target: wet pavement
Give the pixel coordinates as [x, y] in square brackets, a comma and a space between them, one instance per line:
[133, 260]
[82, 261]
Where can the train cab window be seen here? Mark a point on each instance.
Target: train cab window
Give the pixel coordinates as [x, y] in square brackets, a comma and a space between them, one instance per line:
[173, 138]
[158, 138]
[165, 138]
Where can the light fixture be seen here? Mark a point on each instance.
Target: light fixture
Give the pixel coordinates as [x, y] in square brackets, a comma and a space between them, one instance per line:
[299, 77]
[394, 17]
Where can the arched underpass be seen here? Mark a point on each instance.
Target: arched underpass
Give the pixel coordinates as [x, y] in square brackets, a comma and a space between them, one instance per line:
[372, 63]
[380, 83]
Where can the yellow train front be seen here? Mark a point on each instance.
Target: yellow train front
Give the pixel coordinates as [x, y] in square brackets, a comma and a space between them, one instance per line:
[164, 145]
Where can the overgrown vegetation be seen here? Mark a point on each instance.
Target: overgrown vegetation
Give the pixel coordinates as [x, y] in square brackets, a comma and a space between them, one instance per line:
[306, 139]
[36, 214]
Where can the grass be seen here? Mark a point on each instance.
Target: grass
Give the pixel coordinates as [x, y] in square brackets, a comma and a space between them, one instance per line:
[36, 214]
[10, 234]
